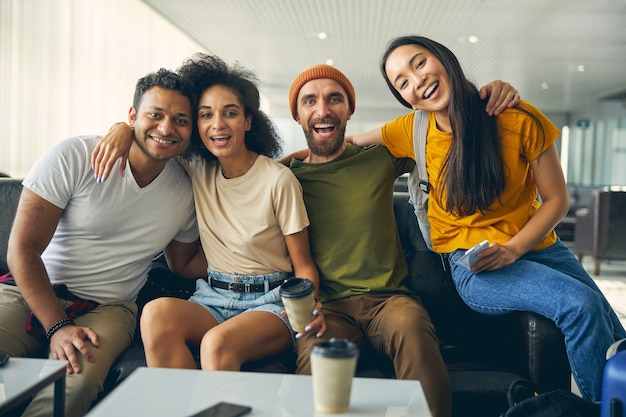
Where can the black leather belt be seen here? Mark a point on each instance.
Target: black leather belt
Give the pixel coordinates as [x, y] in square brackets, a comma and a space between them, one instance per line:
[240, 287]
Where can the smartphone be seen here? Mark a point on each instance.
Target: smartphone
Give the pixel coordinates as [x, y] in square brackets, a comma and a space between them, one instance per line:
[3, 360]
[224, 409]
[469, 258]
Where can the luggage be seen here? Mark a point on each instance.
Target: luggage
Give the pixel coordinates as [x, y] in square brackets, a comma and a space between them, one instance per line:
[614, 387]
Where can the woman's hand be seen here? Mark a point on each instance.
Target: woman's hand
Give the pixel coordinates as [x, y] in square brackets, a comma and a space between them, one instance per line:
[496, 256]
[317, 326]
[113, 146]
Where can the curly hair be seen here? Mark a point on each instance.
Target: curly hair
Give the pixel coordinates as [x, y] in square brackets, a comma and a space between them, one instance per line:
[202, 71]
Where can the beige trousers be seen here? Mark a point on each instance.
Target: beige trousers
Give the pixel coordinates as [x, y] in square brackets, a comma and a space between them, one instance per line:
[115, 325]
[397, 327]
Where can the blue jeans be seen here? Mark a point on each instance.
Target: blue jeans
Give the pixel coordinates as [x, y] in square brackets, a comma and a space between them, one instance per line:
[550, 282]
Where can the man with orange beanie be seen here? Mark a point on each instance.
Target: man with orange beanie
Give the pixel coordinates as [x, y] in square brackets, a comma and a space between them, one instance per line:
[354, 240]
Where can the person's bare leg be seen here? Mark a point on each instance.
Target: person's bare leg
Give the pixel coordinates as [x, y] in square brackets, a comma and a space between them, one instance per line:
[247, 337]
[167, 325]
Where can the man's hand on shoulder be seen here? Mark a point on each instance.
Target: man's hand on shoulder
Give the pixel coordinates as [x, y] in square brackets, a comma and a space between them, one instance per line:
[502, 95]
[66, 341]
[301, 154]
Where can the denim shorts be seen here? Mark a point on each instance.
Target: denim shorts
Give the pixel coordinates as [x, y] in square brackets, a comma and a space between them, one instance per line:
[225, 304]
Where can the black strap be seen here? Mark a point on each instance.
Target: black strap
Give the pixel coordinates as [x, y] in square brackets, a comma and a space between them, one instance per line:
[240, 287]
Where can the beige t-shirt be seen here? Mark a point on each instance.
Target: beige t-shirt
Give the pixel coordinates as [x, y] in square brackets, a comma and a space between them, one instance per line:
[243, 220]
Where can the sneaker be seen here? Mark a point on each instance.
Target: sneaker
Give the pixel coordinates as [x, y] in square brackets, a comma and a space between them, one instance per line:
[619, 346]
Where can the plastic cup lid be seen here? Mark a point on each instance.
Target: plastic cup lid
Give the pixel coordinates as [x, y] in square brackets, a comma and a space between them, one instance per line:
[335, 348]
[296, 288]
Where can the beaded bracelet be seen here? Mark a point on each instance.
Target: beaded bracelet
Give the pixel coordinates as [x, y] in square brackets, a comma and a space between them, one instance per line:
[56, 326]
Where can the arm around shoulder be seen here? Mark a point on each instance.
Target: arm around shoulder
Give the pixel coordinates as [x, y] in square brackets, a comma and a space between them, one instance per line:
[114, 145]
[373, 137]
[502, 95]
[301, 155]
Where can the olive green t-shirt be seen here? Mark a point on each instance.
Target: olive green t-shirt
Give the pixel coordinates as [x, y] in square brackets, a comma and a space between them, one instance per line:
[354, 239]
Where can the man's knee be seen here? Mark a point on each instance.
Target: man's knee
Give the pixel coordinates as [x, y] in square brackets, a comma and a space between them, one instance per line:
[407, 317]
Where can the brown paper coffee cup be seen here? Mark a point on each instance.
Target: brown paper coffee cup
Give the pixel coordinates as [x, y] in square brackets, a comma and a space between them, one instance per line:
[298, 295]
[333, 364]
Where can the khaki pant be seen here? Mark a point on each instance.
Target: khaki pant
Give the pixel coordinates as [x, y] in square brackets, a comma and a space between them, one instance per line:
[113, 322]
[397, 327]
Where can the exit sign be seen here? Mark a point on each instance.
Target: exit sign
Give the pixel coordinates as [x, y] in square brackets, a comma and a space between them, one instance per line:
[583, 124]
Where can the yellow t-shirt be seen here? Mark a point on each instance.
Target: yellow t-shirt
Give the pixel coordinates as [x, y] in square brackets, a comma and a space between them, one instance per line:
[522, 141]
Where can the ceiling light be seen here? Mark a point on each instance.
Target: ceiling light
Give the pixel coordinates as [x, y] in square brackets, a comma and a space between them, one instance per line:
[472, 39]
[578, 68]
[329, 62]
[544, 86]
[322, 35]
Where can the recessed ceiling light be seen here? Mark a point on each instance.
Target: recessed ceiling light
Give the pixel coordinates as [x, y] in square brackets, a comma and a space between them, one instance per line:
[472, 39]
[578, 68]
[329, 62]
[545, 86]
[322, 35]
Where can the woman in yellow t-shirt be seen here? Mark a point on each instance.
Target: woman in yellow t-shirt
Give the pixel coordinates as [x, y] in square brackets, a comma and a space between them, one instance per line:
[485, 176]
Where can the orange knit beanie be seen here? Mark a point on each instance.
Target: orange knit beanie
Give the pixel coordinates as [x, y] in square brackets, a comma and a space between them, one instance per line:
[317, 72]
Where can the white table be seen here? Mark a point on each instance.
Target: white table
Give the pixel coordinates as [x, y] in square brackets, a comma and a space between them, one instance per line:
[21, 378]
[177, 392]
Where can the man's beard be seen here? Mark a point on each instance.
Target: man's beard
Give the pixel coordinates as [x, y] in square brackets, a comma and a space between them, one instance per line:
[327, 147]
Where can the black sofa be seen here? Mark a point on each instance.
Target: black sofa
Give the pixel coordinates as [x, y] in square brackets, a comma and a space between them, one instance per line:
[483, 354]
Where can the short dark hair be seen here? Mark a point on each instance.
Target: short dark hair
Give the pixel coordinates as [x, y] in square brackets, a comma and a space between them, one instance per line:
[163, 78]
[203, 71]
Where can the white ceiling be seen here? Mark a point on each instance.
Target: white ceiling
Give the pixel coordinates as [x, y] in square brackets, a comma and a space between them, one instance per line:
[525, 42]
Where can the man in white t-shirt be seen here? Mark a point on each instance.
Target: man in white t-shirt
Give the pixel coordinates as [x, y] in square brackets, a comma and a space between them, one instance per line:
[80, 249]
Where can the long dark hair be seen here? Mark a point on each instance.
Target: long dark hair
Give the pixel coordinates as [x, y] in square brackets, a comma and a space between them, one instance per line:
[202, 71]
[473, 172]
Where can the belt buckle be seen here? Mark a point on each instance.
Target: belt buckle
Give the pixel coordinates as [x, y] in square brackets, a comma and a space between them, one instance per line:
[231, 285]
[247, 287]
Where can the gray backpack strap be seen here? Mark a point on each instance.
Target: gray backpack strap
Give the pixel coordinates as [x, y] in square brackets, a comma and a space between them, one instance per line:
[418, 178]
